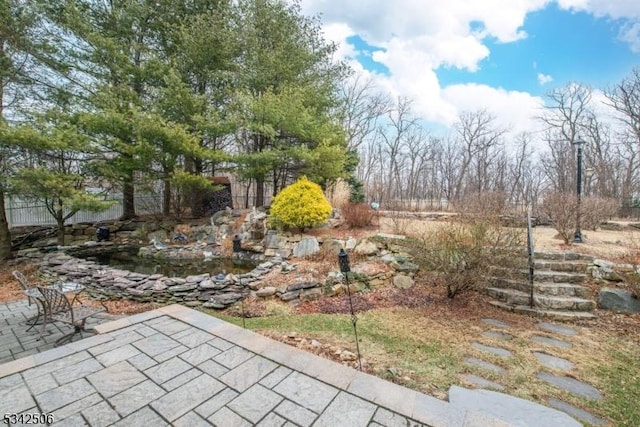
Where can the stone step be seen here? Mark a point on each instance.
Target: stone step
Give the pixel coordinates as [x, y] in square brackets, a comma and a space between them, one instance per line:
[560, 315]
[554, 255]
[557, 289]
[552, 302]
[538, 275]
[564, 266]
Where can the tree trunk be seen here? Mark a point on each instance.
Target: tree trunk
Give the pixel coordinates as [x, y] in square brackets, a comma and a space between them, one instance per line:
[128, 202]
[259, 192]
[60, 231]
[5, 234]
[166, 197]
[197, 205]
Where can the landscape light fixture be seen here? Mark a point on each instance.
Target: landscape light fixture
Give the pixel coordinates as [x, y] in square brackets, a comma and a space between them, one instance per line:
[577, 237]
[343, 262]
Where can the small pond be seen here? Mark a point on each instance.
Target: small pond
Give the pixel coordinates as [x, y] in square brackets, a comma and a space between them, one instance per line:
[129, 260]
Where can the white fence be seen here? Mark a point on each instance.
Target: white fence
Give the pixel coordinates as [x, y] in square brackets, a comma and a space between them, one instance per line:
[25, 212]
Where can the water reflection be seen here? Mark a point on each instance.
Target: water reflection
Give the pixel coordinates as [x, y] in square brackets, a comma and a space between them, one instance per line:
[171, 268]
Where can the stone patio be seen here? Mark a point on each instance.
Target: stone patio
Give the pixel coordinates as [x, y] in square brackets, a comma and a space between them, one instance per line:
[177, 366]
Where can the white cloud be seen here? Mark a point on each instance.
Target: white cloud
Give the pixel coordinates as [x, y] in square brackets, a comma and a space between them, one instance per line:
[630, 33]
[514, 110]
[613, 8]
[418, 37]
[543, 79]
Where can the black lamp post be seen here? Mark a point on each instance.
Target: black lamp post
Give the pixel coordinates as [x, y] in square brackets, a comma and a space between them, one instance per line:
[237, 244]
[577, 237]
[343, 262]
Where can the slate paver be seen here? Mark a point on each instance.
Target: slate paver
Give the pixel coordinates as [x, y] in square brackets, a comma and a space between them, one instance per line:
[136, 397]
[250, 372]
[214, 404]
[15, 398]
[255, 403]
[272, 420]
[233, 357]
[296, 413]
[186, 397]
[228, 418]
[575, 412]
[559, 329]
[474, 361]
[554, 342]
[497, 335]
[274, 378]
[100, 415]
[166, 370]
[191, 419]
[553, 362]
[482, 382]
[155, 344]
[116, 378]
[197, 355]
[571, 385]
[385, 417]
[51, 400]
[306, 391]
[144, 417]
[495, 322]
[347, 410]
[498, 351]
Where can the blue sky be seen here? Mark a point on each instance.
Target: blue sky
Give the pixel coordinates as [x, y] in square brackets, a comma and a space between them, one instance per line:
[502, 55]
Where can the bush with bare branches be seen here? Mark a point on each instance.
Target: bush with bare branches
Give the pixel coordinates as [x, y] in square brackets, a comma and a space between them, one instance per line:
[596, 210]
[488, 205]
[358, 215]
[464, 253]
[562, 210]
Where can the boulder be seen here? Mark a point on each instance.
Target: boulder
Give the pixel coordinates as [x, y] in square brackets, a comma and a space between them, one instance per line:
[402, 281]
[350, 244]
[618, 300]
[266, 292]
[307, 246]
[333, 246]
[366, 247]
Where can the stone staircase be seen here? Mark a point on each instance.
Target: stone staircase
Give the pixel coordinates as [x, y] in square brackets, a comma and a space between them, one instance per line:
[558, 291]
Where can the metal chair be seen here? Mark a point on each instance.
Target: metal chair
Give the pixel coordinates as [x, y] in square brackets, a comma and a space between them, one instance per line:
[29, 289]
[57, 307]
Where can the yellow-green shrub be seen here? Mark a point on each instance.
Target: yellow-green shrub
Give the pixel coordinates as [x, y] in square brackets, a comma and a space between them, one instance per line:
[301, 204]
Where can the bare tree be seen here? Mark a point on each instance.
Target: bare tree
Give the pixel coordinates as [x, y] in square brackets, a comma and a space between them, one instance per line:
[625, 99]
[363, 107]
[478, 136]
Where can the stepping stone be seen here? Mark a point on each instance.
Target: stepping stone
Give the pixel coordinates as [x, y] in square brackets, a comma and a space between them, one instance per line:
[553, 362]
[552, 327]
[551, 341]
[491, 350]
[570, 385]
[474, 361]
[494, 322]
[511, 410]
[575, 412]
[497, 335]
[481, 382]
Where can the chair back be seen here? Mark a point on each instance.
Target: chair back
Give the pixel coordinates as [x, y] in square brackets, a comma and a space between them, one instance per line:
[54, 301]
[22, 280]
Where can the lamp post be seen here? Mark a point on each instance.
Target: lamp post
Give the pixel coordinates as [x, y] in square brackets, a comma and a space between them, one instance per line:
[577, 237]
[343, 262]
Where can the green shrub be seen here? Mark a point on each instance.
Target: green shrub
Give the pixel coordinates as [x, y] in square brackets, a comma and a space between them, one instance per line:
[301, 204]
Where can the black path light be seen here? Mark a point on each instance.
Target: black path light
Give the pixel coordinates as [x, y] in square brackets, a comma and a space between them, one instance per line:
[577, 237]
[343, 262]
[237, 244]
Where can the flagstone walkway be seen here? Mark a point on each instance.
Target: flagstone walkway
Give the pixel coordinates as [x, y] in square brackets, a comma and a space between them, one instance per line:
[177, 366]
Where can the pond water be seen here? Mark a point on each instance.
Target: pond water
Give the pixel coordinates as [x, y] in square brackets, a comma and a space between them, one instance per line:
[171, 268]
